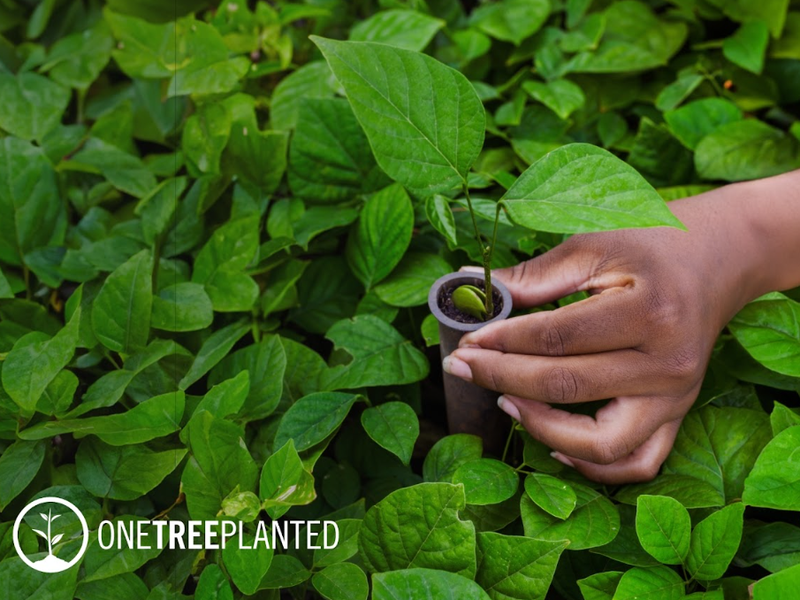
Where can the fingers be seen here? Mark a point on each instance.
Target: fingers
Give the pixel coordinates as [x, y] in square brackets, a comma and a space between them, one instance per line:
[606, 321]
[559, 380]
[616, 431]
[565, 269]
[642, 464]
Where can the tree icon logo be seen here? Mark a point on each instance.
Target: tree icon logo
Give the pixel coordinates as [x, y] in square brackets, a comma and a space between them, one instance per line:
[49, 531]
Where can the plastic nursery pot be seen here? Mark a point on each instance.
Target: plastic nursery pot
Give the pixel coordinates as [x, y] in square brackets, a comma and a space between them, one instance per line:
[470, 408]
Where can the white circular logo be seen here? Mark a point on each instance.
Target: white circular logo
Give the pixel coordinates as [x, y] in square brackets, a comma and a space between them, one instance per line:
[49, 531]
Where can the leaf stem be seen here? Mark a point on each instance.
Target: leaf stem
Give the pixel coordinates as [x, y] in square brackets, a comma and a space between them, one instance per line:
[486, 253]
[508, 443]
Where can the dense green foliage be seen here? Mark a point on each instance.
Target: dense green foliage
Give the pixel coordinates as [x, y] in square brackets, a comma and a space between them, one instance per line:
[214, 269]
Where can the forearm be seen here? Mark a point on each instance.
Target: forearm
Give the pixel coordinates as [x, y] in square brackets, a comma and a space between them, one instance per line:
[773, 213]
[745, 239]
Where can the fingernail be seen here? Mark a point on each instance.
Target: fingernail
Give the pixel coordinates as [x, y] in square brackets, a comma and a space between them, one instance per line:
[466, 342]
[456, 366]
[472, 269]
[562, 459]
[508, 407]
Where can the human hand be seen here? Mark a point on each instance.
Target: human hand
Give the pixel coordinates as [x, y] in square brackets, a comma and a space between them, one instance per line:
[659, 298]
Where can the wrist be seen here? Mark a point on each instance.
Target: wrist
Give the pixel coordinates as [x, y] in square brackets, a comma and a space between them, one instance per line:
[725, 249]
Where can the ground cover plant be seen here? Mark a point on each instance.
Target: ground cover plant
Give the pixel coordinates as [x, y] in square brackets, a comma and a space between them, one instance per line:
[214, 264]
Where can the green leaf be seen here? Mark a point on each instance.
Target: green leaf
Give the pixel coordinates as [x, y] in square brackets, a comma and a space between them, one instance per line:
[125, 586]
[393, 426]
[78, 59]
[345, 549]
[580, 188]
[312, 80]
[205, 135]
[213, 585]
[664, 528]
[448, 454]
[425, 584]
[257, 157]
[774, 546]
[430, 331]
[688, 490]
[653, 582]
[782, 418]
[31, 213]
[247, 566]
[191, 52]
[600, 586]
[773, 12]
[487, 481]
[285, 482]
[342, 581]
[32, 105]
[747, 149]
[419, 526]
[715, 541]
[313, 418]
[748, 46]
[382, 235]
[440, 216]
[122, 309]
[266, 363]
[219, 463]
[158, 207]
[221, 263]
[410, 282]
[102, 565]
[182, 307]
[769, 329]
[124, 472]
[124, 171]
[692, 122]
[719, 446]
[788, 46]
[329, 159]
[213, 350]
[380, 355]
[551, 494]
[676, 92]
[226, 398]
[21, 582]
[635, 40]
[774, 481]
[35, 361]
[19, 464]
[594, 522]
[424, 121]
[284, 572]
[776, 586]
[513, 567]
[407, 29]
[561, 96]
[153, 418]
[511, 20]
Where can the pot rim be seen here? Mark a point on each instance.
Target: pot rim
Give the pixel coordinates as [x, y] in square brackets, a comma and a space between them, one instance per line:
[433, 301]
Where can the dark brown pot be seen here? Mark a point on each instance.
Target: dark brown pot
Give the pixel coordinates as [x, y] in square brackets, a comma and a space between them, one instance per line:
[470, 408]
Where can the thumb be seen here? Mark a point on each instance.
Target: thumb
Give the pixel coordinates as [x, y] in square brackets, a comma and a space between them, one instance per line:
[564, 270]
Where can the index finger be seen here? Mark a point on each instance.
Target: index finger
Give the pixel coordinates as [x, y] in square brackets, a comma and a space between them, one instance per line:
[603, 322]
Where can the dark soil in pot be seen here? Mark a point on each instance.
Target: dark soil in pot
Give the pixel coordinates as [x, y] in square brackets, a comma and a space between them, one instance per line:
[470, 408]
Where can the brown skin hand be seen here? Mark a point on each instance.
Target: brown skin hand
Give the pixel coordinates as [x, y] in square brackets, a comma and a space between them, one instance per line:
[659, 299]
